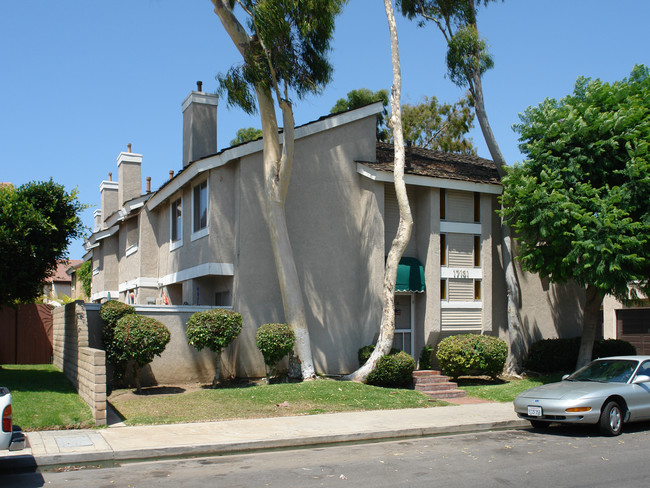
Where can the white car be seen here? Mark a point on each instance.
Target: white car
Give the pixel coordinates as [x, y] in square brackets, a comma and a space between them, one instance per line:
[7, 422]
[11, 439]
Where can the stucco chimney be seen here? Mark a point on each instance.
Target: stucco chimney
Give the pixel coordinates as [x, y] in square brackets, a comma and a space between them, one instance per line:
[129, 176]
[199, 125]
[109, 192]
[97, 215]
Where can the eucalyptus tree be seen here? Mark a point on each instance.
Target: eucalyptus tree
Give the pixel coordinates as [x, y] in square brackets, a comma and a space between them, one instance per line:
[284, 46]
[387, 326]
[467, 59]
[580, 200]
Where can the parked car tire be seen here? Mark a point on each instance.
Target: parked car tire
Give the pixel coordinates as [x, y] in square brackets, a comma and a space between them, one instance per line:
[611, 419]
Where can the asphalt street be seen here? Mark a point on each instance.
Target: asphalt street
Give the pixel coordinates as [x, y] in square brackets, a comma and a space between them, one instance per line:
[561, 457]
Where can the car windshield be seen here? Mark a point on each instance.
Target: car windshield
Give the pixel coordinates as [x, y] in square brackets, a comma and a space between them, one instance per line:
[607, 371]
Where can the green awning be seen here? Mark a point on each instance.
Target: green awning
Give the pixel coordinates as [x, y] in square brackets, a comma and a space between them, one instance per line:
[410, 276]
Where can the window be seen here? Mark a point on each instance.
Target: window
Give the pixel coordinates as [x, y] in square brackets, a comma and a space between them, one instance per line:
[443, 289]
[176, 223]
[200, 210]
[443, 249]
[477, 290]
[477, 251]
[443, 204]
[477, 207]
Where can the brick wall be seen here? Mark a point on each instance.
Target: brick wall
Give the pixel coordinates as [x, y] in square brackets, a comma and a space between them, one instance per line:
[84, 366]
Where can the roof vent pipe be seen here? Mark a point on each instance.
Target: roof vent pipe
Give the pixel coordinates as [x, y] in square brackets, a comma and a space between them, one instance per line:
[148, 184]
[128, 146]
[199, 86]
[171, 174]
[110, 176]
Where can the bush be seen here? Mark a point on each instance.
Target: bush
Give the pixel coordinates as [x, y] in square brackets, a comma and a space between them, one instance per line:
[274, 341]
[393, 371]
[425, 357]
[110, 312]
[139, 339]
[365, 352]
[214, 329]
[561, 355]
[472, 354]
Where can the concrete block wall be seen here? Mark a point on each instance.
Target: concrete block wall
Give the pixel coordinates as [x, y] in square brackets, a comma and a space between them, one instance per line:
[84, 366]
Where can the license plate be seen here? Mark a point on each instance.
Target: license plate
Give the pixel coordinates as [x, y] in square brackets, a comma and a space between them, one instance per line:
[534, 411]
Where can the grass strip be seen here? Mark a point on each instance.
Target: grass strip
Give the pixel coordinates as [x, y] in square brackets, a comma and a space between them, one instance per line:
[43, 398]
[503, 389]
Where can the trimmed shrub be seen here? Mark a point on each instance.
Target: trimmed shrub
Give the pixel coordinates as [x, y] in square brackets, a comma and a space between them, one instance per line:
[365, 352]
[561, 355]
[110, 312]
[472, 354]
[612, 347]
[139, 339]
[425, 358]
[274, 341]
[393, 371]
[214, 329]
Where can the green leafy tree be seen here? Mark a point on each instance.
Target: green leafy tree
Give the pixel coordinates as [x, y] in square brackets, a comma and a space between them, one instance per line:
[246, 135]
[467, 59]
[215, 329]
[274, 341]
[428, 124]
[284, 46]
[38, 220]
[361, 98]
[441, 127]
[140, 339]
[84, 275]
[580, 201]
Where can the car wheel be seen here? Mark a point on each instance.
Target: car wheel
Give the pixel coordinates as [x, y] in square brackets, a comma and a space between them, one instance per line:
[611, 419]
[539, 424]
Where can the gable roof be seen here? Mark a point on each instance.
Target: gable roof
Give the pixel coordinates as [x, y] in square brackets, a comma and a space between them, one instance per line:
[60, 274]
[437, 164]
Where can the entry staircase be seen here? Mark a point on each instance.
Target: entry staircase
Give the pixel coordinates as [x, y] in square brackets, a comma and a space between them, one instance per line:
[436, 385]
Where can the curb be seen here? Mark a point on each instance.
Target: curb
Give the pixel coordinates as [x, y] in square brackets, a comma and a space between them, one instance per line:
[17, 462]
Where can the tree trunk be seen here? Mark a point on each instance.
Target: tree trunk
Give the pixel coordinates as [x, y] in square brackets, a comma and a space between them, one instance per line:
[516, 346]
[277, 171]
[387, 326]
[217, 373]
[594, 300]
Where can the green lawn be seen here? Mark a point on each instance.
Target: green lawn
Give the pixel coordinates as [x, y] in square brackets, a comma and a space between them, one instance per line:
[43, 398]
[307, 398]
[502, 390]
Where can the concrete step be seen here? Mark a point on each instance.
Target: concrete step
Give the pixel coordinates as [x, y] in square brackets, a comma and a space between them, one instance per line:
[431, 380]
[443, 395]
[436, 387]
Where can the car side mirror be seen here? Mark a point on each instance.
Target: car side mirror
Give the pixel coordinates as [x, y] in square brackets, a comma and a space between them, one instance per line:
[642, 378]
[565, 377]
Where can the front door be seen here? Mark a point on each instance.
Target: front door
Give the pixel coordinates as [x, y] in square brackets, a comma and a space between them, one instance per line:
[403, 339]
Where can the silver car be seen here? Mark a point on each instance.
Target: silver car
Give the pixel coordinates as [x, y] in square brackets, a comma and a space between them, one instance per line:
[608, 392]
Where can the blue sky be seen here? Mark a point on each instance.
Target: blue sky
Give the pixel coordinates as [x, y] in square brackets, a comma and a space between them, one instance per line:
[81, 79]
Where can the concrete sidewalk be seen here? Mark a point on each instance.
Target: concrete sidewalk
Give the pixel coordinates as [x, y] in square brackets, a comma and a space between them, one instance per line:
[67, 447]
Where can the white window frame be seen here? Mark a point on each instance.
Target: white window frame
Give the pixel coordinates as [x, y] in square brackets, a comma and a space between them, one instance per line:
[197, 234]
[175, 244]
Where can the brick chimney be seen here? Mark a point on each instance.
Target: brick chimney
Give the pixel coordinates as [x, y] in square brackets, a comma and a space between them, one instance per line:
[109, 191]
[129, 176]
[199, 125]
